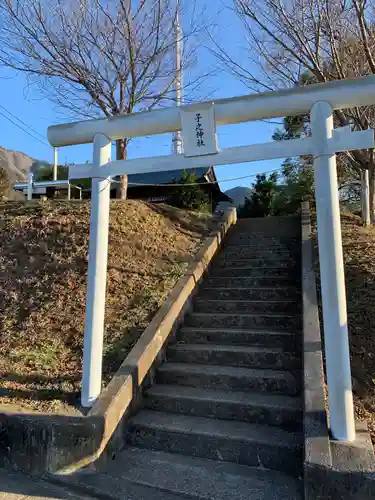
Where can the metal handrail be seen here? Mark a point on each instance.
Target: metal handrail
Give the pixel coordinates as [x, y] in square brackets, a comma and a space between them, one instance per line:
[63, 183]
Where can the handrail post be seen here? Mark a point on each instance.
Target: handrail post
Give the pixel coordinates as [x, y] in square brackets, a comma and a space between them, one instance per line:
[97, 275]
[54, 170]
[30, 177]
[336, 341]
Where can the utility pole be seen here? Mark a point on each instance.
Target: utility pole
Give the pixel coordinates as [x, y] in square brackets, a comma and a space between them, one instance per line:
[177, 146]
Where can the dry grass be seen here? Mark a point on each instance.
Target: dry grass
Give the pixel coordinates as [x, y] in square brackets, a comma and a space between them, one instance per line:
[359, 258]
[43, 266]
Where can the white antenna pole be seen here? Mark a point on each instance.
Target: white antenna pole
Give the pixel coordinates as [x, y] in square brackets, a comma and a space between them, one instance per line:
[177, 147]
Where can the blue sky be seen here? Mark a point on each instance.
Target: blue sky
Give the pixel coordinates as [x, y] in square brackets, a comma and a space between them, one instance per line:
[24, 101]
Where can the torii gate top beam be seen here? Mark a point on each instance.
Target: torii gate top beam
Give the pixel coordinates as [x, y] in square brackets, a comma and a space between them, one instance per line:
[340, 94]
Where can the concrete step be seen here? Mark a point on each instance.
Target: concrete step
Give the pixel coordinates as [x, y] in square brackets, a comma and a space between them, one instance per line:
[15, 485]
[251, 321]
[271, 251]
[259, 238]
[229, 377]
[256, 294]
[251, 282]
[269, 230]
[276, 221]
[260, 246]
[233, 252]
[231, 260]
[246, 306]
[279, 219]
[109, 487]
[286, 340]
[243, 443]
[233, 355]
[201, 479]
[291, 273]
[260, 408]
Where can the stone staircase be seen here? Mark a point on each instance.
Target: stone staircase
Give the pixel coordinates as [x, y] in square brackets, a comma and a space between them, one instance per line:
[224, 419]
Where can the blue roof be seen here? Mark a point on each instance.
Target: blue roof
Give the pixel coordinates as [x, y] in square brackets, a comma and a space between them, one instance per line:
[166, 177]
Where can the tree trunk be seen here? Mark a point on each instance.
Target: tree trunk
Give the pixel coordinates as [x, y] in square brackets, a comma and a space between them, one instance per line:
[365, 198]
[121, 154]
[371, 172]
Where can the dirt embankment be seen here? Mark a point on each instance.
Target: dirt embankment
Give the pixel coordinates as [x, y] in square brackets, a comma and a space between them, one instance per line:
[43, 272]
[359, 259]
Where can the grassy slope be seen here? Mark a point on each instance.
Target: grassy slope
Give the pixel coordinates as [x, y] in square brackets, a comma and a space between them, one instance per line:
[43, 265]
[359, 255]
[359, 258]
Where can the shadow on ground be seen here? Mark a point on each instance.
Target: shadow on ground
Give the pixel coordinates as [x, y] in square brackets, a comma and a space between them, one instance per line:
[14, 486]
[190, 225]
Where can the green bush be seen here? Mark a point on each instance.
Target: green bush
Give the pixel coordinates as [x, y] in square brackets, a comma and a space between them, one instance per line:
[43, 171]
[297, 186]
[270, 198]
[188, 194]
[259, 204]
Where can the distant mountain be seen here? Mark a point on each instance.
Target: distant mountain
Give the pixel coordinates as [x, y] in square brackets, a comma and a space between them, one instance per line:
[238, 195]
[15, 164]
[14, 167]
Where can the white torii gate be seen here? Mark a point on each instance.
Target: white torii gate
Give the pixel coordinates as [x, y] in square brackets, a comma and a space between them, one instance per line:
[197, 119]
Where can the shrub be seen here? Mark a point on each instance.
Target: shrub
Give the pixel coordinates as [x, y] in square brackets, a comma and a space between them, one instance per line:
[188, 194]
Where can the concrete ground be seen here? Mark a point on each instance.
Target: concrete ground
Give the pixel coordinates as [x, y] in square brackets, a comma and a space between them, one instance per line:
[17, 486]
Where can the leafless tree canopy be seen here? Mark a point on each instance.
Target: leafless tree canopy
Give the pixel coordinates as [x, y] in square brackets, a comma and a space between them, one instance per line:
[112, 56]
[329, 39]
[332, 39]
[323, 39]
[94, 57]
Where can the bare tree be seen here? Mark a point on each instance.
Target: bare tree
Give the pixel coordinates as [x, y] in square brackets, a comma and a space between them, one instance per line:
[325, 39]
[94, 57]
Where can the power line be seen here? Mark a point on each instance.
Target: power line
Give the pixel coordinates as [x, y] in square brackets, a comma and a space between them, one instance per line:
[209, 182]
[23, 123]
[24, 130]
[192, 183]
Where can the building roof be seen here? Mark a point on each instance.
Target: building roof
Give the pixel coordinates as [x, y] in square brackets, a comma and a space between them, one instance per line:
[137, 182]
[166, 177]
